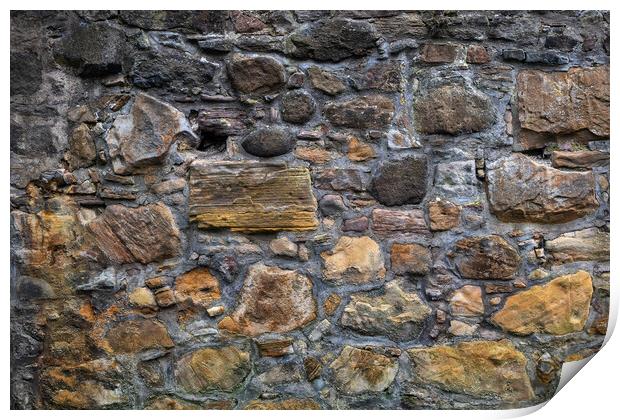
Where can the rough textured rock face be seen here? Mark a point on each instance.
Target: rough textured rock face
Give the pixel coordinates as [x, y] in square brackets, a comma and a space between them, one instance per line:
[353, 260]
[395, 314]
[522, 190]
[476, 368]
[357, 370]
[333, 40]
[255, 196]
[144, 135]
[453, 109]
[273, 300]
[212, 369]
[144, 234]
[485, 258]
[401, 182]
[554, 104]
[371, 111]
[306, 209]
[558, 307]
[256, 75]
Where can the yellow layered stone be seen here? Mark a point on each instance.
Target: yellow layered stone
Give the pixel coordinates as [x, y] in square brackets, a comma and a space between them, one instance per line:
[251, 197]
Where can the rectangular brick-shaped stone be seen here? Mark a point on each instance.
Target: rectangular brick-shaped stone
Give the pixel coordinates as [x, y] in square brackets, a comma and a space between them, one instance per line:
[389, 222]
[251, 196]
[555, 105]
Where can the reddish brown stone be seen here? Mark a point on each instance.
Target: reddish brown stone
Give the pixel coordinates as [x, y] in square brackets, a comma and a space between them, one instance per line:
[486, 258]
[522, 190]
[556, 104]
[142, 234]
[410, 258]
[138, 335]
[369, 111]
[477, 54]
[387, 222]
[438, 53]
[199, 285]
[585, 159]
[443, 215]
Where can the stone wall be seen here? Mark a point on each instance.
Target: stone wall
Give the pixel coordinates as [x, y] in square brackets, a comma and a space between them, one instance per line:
[303, 209]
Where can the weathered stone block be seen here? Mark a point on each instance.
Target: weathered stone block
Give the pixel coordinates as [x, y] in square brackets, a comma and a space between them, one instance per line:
[357, 371]
[144, 136]
[521, 190]
[486, 258]
[556, 104]
[363, 112]
[558, 307]
[143, 234]
[453, 109]
[477, 368]
[353, 260]
[272, 300]
[251, 196]
[397, 314]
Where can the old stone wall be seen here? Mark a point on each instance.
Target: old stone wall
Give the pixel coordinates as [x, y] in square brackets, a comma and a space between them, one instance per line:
[304, 209]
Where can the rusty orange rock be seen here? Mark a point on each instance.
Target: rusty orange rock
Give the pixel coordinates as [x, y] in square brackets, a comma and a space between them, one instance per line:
[558, 307]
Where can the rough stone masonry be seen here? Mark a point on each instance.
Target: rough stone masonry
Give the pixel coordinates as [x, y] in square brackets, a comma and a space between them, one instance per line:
[306, 209]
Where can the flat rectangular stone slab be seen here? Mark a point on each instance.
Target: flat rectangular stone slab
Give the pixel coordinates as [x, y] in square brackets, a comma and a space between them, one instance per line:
[249, 196]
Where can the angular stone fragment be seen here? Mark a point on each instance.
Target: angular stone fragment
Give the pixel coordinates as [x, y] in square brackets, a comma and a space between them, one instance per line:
[333, 40]
[199, 285]
[143, 234]
[443, 215]
[467, 301]
[410, 258]
[356, 371]
[585, 159]
[272, 300]
[137, 335]
[144, 136]
[256, 75]
[558, 307]
[362, 112]
[275, 348]
[583, 245]
[268, 142]
[95, 49]
[486, 258]
[332, 303]
[521, 190]
[297, 107]
[391, 222]
[209, 369]
[284, 246]
[476, 368]
[400, 181]
[353, 260]
[251, 196]
[396, 314]
[82, 152]
[453, 109]
[554, 104]
[325, 81]
[288, 404]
